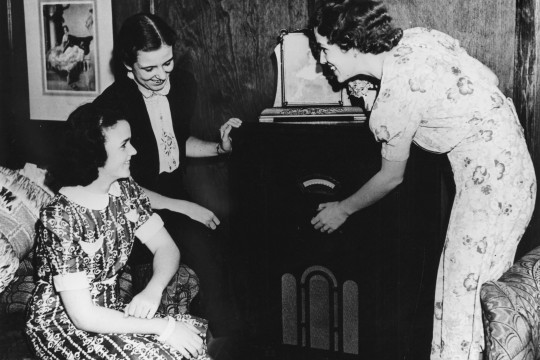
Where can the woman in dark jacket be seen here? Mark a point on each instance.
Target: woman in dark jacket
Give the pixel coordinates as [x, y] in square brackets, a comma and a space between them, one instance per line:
[159, 105]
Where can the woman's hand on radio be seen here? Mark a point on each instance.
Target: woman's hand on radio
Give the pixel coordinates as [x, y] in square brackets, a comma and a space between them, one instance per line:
[330, 217]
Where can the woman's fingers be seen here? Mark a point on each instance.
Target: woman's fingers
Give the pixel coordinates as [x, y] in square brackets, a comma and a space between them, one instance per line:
[140, 310]
[185, 353]
[151, 312]
[235, 122]
[226, 128]
[194, 329]
[322, 206]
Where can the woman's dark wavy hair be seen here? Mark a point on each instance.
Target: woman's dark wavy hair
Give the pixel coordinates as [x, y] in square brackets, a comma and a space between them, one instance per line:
[140, 32]
[361, 24]
[83, 146]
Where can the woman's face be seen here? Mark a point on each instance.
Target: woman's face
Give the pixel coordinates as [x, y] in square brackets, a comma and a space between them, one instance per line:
[152, 68]
[344, 63]
[119, 151]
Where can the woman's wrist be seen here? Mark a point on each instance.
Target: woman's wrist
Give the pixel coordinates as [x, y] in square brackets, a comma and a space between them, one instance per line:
[346, 207]
[220, 150]
[153, 286]
[168, 330]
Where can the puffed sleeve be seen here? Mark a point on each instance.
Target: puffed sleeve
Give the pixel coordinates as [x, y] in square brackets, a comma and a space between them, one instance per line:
[139, 210]
[57, 234]
[404, 94]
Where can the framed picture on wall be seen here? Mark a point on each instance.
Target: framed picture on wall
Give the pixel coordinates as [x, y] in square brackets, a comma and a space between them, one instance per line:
[69, 48]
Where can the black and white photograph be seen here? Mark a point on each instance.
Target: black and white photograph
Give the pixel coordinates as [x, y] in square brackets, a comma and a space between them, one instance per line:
[269, 180]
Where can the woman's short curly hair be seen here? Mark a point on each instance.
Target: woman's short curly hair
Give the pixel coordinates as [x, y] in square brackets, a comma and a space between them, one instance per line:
[83, 146]
[140, 32]
[361, 24]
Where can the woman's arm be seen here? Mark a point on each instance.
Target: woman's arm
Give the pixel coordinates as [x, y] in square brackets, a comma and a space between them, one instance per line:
[199, 148]
[93, 318]
[188, 208]
[165, 264]
[332, 215]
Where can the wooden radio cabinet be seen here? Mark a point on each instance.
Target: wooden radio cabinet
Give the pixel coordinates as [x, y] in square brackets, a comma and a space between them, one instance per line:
[363, 292]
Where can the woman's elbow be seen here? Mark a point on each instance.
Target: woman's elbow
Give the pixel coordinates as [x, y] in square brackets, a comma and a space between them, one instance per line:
[83, 321]
[394, 182]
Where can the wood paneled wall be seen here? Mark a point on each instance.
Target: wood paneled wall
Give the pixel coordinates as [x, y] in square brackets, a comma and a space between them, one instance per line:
[228, 46]
[525, 95]
[4, 87]
[486, 28]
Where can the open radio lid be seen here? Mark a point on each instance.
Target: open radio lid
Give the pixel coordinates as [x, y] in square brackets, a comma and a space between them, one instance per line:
[303, 93]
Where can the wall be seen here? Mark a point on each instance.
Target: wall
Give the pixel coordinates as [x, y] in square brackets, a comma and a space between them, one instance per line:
[4, 90]
[228, 46]
[486, 29]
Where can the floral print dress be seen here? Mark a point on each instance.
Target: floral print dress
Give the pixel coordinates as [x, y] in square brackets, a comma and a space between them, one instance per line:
[434, 94]
[84, 242]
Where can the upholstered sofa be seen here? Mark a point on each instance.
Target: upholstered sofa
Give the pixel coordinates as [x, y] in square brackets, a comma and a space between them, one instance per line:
[511, 311]
[22, 193]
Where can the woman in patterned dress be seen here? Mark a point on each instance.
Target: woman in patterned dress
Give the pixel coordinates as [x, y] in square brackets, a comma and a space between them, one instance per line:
[433, 94]
[85, 235]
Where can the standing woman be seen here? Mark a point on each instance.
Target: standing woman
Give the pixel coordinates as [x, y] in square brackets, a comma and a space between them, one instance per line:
[159, 103]
[85, 236]
[434, 94]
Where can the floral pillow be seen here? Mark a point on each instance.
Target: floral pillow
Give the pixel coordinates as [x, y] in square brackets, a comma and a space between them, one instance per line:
[20, 201]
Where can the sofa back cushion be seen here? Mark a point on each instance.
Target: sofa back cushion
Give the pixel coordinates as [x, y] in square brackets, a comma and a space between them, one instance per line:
[20, 201]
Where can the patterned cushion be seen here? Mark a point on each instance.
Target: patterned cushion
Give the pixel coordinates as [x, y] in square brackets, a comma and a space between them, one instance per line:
[20, 201]
[9, 262]
[125, 285]
[177, 295]
[17, 294]
[511, 309]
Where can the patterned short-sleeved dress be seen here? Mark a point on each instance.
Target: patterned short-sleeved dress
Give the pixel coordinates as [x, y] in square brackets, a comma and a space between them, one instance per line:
[434, 94]
[83, 242]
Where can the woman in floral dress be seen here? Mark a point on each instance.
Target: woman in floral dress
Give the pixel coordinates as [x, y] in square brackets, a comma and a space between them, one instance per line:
[433, 94]
[85, 235]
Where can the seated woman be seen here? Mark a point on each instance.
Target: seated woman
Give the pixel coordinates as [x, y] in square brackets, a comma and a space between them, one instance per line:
[85, 236]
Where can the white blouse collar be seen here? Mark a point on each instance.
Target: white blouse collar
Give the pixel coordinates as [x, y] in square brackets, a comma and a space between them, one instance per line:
[147, 93]
[80, 196]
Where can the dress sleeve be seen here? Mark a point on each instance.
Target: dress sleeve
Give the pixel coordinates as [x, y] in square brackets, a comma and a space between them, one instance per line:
[397, 112]
[57, 234]
[147, 223]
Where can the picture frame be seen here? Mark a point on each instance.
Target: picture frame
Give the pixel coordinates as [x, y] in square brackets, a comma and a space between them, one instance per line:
[69, 47]
[303, 82]
[304, 93]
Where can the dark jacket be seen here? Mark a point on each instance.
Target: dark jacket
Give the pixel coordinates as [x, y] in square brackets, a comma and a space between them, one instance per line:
[124, 96]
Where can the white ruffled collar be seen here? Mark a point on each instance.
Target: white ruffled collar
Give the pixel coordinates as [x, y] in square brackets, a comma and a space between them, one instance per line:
[80, 196]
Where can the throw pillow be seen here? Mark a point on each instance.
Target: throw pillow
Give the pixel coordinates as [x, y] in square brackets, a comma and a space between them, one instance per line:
[20, 201]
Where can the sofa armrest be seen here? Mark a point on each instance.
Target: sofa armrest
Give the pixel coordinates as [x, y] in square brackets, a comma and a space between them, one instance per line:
[511, 311]
[509, 331]
[177, 296]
